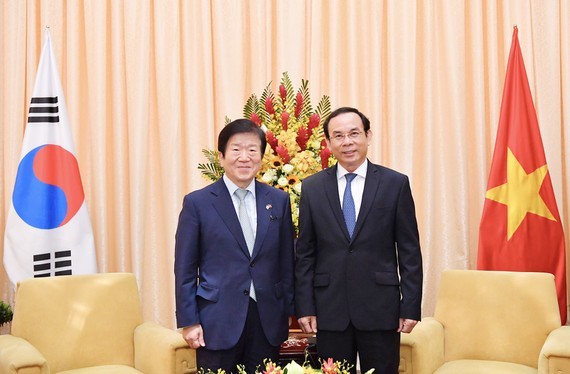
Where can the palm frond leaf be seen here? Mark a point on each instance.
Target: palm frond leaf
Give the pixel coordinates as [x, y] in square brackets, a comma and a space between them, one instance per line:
[307, 106]
[324, 108]
[211, 170]
[251, 106]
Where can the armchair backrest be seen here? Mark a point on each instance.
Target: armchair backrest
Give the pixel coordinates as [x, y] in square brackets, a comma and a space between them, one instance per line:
[493, 315]
[79, 320]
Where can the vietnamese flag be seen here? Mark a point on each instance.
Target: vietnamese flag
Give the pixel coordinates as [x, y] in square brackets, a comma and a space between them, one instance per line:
[520, 226]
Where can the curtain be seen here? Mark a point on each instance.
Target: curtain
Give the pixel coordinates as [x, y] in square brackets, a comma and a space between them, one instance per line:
[149, 83]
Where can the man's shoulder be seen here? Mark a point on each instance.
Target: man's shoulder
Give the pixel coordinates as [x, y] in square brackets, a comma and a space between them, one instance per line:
[203, 192]
[319, 175]
[387, 172]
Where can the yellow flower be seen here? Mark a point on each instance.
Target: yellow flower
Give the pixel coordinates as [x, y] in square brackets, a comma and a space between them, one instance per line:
[292, 180]
[275, 162]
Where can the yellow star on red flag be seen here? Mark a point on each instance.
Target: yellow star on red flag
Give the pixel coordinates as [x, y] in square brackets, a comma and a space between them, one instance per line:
[521, 193]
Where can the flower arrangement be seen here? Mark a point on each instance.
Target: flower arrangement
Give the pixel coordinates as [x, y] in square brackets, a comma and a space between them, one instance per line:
[295, 138]
[327, 367]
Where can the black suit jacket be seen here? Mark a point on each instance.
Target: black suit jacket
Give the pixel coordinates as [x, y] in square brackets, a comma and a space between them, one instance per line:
[371, 280]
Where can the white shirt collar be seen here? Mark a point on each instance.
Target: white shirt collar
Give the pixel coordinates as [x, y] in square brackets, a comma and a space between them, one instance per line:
[361, 170]
[232, 187]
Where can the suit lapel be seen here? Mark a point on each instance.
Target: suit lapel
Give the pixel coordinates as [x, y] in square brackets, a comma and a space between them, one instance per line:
[331, 190]
[224, 205]
[263, 205]
[370, 189]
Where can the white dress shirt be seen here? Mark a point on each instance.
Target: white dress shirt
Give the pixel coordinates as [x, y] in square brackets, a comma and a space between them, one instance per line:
[357, 184]
[249, 201]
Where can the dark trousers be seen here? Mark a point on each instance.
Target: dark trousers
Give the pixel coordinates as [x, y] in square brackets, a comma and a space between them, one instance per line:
[379, 350]
[251, 349]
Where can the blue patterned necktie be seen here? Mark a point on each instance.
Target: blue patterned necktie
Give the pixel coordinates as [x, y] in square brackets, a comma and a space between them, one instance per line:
[348, 205]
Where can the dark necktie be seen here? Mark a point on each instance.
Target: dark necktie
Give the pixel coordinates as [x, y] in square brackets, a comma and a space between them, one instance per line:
[348, 208]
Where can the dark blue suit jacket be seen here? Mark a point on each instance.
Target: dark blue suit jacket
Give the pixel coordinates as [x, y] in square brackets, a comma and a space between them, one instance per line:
[371, 280]
[211, 248]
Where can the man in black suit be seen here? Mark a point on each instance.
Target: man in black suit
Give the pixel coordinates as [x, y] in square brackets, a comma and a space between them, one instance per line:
[358, 260]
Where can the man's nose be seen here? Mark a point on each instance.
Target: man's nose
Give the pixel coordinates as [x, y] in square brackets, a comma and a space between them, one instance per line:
[243, 155]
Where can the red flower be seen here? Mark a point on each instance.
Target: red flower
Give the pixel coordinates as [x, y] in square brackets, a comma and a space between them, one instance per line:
[283, 153]
[255, 118]
[284, 120]
[302, 138]
[272, 140]
[325, 153]
[329, 367]
[269, 106]
[314, 121]
[282, 92]
[298, 104]
[271, 368]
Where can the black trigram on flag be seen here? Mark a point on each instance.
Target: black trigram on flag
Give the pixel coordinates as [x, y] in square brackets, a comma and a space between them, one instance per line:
[43, 109]
[46, 266]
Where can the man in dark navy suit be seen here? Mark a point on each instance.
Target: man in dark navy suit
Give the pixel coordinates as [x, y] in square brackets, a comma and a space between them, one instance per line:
[234, 260]
[359, 265]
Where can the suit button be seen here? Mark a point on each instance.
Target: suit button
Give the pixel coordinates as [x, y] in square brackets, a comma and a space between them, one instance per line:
[252, 264]
[350, 250]
[246, 292]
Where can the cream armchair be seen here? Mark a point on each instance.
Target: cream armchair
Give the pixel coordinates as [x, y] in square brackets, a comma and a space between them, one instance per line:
[490, 322]
[88, 324]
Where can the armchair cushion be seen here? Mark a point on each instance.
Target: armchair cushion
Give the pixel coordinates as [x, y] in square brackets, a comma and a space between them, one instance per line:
[482, 366]
[104, 369]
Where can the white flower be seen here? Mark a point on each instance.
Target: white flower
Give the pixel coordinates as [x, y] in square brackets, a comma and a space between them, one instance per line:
[282, 181]
[297, 187]
[287, 168]
[269, 176]
[293, 368]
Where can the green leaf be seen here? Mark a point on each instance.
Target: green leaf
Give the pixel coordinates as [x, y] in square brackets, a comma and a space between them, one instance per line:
[307, 106]
[5, 313]
[324, 108]
[251, 106]
[211, 170]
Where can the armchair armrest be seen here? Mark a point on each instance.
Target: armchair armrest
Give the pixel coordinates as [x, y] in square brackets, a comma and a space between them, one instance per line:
[555, 354]
[161, 350]
[421, 351]
[18, 354]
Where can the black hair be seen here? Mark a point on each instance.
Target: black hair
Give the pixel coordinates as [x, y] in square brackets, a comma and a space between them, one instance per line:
[342, 110]
[240, 126]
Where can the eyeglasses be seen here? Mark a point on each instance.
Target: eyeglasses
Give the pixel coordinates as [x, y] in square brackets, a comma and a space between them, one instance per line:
[353, 135]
